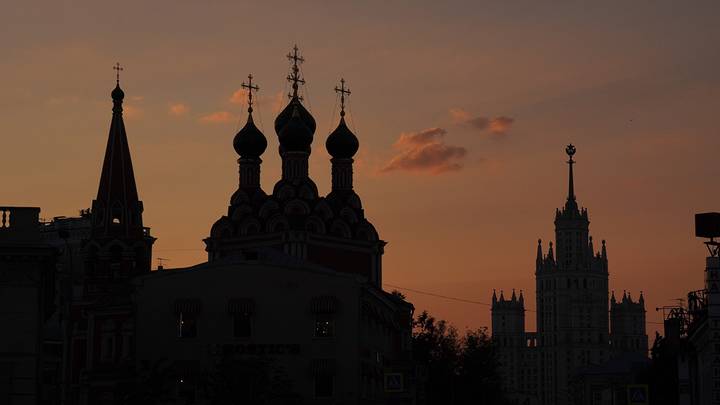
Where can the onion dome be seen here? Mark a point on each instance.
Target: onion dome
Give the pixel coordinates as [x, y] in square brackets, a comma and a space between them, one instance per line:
[117, 94]
[295, 135]
[250, 142]
[284, 117]
[342, 143]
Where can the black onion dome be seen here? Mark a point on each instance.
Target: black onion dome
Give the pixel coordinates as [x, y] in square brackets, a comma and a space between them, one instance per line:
[250, 141]
[342, 143]
[284, 117]
[117, 94]
[295, 136]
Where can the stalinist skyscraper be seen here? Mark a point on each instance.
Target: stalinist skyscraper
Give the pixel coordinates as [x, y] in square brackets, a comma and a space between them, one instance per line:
[573, 328]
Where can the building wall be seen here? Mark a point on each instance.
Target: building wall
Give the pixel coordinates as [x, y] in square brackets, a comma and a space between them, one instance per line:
[26, 286]
[283, 323]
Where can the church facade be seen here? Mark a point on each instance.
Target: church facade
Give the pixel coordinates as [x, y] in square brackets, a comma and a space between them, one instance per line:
[574, 333]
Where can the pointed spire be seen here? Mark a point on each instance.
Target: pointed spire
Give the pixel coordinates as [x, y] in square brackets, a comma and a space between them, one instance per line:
[570, 150]
[591, 248]
[551, 255]
[538, 258]
[514, 297]
[612, 298]
[641, 300]
[604, 250]
[494, 296]
[521, 299]
[502, 296]
[625, 297]
[117, 209]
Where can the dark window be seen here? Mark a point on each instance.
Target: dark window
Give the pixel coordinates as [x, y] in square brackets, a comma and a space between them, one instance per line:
[242, 325]
[324, 385]
[324, 327]
[187, 325]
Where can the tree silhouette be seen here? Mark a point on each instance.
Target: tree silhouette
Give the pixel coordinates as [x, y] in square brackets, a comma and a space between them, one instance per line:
[461, 370]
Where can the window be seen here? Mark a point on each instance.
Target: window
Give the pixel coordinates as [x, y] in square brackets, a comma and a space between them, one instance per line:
[324, 326]
[324, 385]
[242, 325]
[187, 325]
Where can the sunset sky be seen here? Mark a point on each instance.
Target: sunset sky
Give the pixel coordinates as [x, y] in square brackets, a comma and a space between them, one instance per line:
[463, 110]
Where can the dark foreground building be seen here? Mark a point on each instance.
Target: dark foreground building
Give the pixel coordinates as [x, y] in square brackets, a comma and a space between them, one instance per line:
[289, 307]
[686, 359]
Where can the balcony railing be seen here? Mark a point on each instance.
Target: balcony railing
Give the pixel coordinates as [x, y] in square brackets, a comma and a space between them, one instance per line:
[19, 222]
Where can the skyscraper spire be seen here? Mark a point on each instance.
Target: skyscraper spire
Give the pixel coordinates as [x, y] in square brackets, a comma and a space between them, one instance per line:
[570, 150]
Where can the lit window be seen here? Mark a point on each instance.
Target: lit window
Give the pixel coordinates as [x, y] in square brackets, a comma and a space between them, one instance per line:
[324, 327]
[186, 325]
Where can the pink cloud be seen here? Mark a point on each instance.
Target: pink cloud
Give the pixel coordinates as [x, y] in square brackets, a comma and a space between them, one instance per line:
[132, 113]
[178, 109]
[501, 125]
[218, 117]
[425, 151]
[496, 126]
[239, 96]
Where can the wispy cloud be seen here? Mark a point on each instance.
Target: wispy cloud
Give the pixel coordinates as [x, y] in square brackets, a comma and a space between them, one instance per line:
[178, 109]
[132, 112]
[276, 101]
[218, 117]
[239, 96]
[425, 151]
[501, 125]
[496, 126]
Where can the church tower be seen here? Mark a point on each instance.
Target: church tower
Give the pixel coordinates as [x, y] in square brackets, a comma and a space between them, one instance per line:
[572, 299]
[101, 352]
[120, 246]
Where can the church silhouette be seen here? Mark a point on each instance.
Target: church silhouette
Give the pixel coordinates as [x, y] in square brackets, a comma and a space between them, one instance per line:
[288, 308]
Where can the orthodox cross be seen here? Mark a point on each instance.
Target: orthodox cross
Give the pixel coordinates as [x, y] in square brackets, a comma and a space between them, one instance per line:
[117, 68]
[343, 92]
[250, 87]
[294, 76]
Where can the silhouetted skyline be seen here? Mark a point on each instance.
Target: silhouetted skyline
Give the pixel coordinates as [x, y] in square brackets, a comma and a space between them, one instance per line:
[496, 92]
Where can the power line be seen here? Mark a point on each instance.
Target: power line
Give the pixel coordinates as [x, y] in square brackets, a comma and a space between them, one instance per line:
[467, 300]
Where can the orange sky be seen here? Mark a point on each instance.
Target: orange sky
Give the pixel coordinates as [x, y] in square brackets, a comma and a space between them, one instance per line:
[462, 109]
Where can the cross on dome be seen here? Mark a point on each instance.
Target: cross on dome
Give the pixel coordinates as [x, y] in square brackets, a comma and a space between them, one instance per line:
[294, 76]
[250, 87]
[117, 68]
[343, 91]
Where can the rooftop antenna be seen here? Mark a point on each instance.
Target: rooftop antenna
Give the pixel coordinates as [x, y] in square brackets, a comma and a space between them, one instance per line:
[161, 260]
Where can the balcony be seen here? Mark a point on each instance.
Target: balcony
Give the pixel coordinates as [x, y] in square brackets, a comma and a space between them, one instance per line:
[19, 224]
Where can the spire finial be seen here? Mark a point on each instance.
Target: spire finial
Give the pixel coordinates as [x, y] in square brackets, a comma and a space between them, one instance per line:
[294, 76]
[570, 150]
[117, 68]
[250, 87]
[343, 92]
